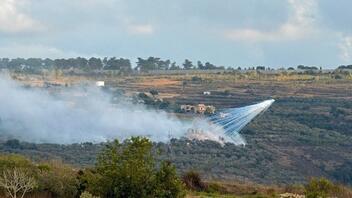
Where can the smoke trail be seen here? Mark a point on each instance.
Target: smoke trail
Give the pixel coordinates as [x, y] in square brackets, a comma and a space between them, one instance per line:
[226, 125]
[78, 115]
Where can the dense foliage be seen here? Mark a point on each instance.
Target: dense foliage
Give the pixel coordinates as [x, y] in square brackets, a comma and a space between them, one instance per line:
[129, 170]
[122, 170]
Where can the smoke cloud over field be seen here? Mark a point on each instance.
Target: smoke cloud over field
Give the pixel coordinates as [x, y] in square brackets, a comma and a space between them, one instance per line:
[86, 114]
[77, 115]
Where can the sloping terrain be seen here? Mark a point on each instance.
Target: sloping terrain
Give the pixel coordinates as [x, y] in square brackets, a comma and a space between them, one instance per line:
[307, 132]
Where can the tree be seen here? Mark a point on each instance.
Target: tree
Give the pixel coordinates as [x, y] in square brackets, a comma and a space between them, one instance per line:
[61, 64]
[81, 63]
[117, 64]
[187, 64]
[128, 170]
[200, 65]
[164, 65]
[58, 179]
[17, 182]
[174, 66]
[147, 64]
[302, 67]
[95, 63]
[260, 68]
[4, 62]
[209, 66]
[168, 184]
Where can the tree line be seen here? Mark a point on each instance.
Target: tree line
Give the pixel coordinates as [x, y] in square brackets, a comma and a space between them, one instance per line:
[107, 63]
[124, 65]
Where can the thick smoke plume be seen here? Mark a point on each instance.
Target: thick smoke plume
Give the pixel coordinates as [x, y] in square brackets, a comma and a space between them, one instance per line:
[77, 115]
[86, 114]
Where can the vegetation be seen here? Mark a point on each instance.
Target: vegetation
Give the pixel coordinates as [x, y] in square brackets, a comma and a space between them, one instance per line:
[17, 182]
[35, 65]
[128, 170]
[193, 181]
[122, 170]
[306, 133]
[322, 188]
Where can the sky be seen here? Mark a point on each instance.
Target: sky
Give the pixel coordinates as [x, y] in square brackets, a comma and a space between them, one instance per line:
[274, 33]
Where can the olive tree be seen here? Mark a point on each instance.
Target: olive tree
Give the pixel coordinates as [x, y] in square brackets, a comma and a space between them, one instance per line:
[17, 182]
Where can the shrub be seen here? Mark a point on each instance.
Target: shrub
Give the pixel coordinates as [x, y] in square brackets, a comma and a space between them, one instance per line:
[17, 182]
[196, 79]
[167, 182]
[128, 170]
[320, 188]
[58, 179]
[193, 181]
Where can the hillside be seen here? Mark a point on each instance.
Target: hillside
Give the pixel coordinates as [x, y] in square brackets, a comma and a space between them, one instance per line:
[307, 131]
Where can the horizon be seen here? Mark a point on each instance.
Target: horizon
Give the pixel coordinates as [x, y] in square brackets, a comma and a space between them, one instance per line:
[134, 62]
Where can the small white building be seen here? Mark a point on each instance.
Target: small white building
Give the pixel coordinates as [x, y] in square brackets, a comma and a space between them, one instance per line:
[206, 93]
[100, 83]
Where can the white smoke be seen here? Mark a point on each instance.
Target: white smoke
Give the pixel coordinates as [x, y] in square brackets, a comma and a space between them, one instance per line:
[226, 125]
[86, 114]
[78, 115]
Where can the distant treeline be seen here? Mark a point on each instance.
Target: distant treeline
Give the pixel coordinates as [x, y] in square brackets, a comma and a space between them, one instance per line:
[345, 67]
[93, 63]
[123, 64]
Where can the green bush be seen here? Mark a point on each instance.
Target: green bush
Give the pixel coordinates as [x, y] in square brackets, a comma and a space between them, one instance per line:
[167, 182]
[320, 188]
[129, 170]
[58, 179]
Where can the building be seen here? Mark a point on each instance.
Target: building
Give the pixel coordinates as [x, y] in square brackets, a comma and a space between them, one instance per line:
[100, 83]
[200, 108]
[187, 108]
[210, 109]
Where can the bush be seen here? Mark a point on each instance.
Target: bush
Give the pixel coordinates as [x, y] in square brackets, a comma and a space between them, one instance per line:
[196, 79]
[16, 161]
[58, 179]
[193, 181]
[320, 188]
[167, 182]
[128, 170]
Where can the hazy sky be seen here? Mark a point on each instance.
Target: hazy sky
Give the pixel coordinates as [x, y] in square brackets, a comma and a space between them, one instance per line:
[225, 32]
